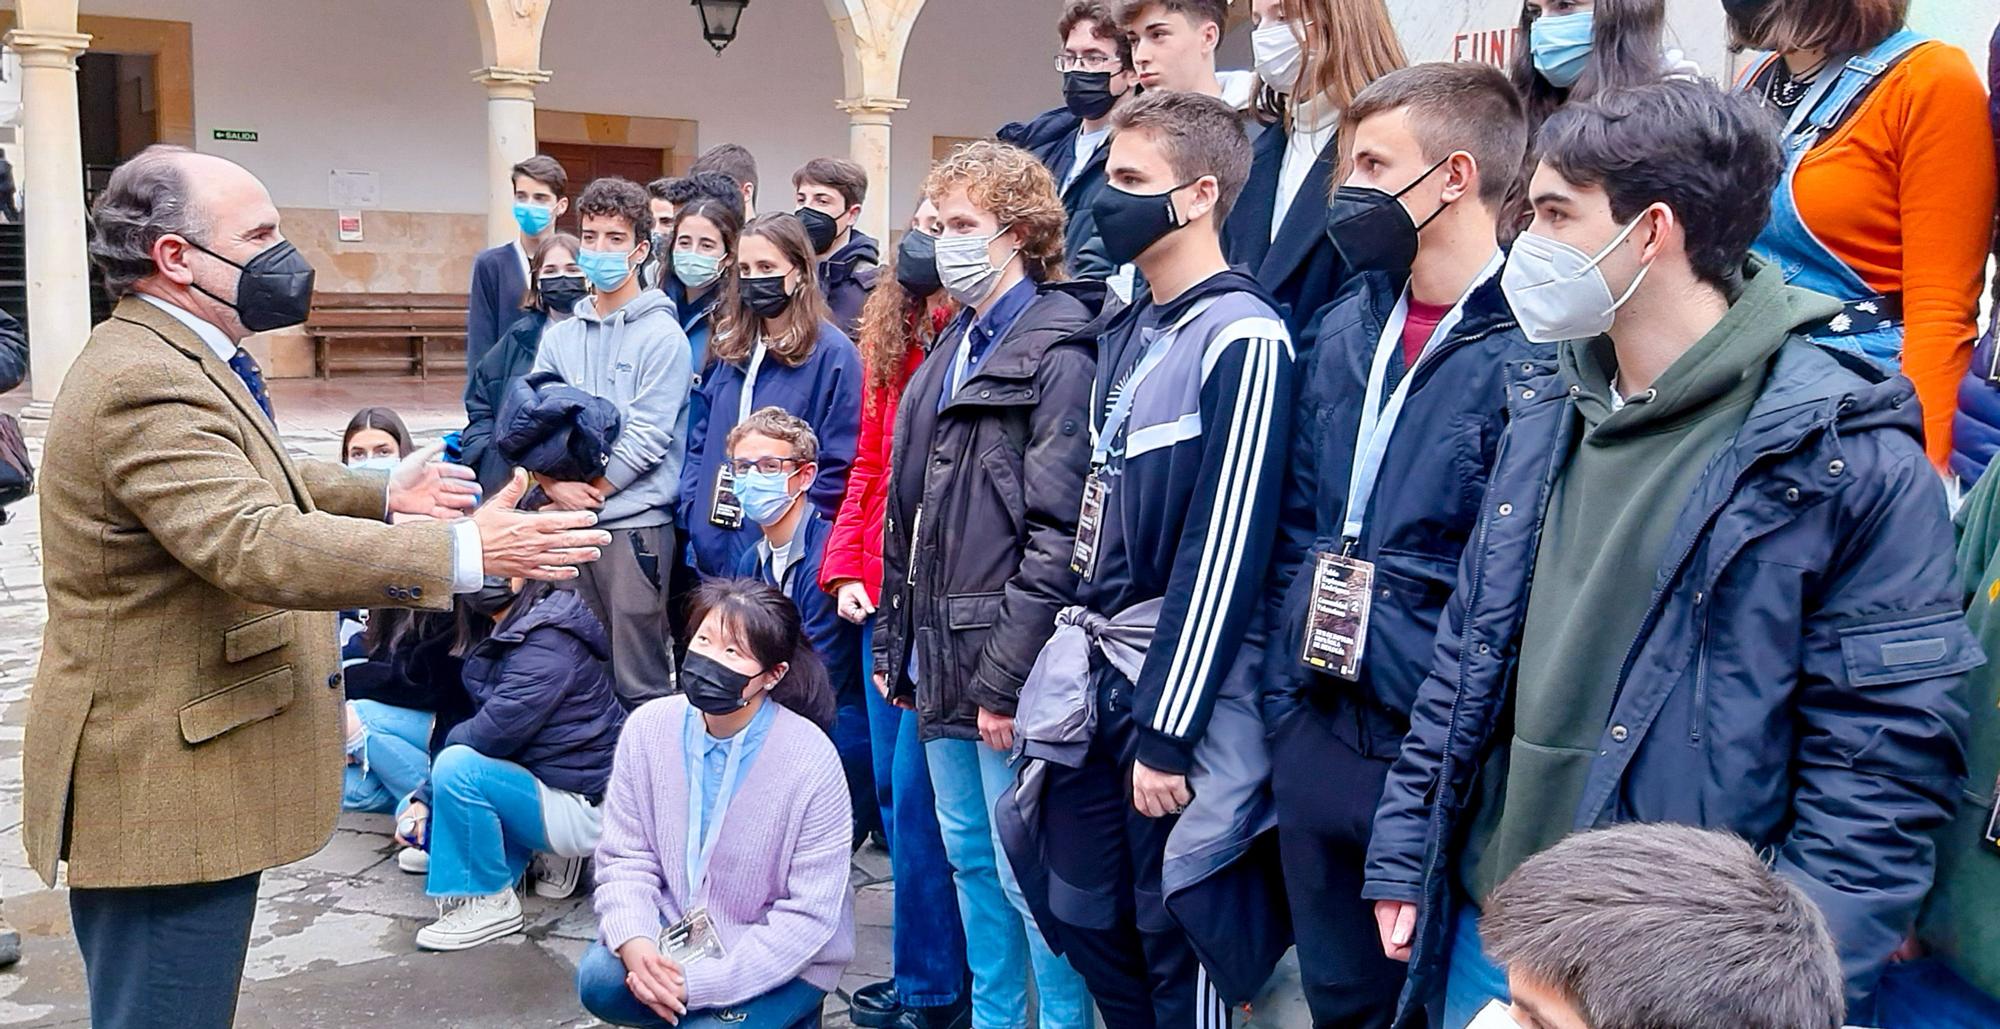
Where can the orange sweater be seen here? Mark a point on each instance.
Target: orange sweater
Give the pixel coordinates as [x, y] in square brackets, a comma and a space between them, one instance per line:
[1903, 191]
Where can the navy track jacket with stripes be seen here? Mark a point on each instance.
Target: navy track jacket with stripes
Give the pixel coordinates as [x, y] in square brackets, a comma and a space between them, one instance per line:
[1192, 481]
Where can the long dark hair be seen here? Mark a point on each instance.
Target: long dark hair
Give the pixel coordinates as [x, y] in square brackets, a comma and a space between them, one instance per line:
[766, 623]
[1627, 43]
[737, 328]
[380, 418]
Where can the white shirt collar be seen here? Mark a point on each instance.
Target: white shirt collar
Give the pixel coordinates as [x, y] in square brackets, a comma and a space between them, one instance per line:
[209, 334]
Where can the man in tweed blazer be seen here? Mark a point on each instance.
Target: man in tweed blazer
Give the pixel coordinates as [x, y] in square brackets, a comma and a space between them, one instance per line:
[185, 729]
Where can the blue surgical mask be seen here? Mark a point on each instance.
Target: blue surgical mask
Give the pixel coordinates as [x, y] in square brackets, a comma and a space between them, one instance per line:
[606, 269]
[765, 496]
[533, 218]
[696, 270]
[377, 464]
[1561, 47]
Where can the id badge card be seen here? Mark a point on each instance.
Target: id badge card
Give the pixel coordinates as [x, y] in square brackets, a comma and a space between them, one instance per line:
[1337, 615]
[1992, 834]
[1089, 528]
[691, 939]
[725, 510]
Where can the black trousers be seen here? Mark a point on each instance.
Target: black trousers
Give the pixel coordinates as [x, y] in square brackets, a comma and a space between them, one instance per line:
[164, 957]
[1329, 761]
[1104, 885]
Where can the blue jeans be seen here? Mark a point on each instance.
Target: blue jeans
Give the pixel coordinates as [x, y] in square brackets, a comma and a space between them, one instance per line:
[486, 823]
[392, 756]
[1928, 995]
[1472, 979]
[600, 985]
[969, 778]
[929, 944]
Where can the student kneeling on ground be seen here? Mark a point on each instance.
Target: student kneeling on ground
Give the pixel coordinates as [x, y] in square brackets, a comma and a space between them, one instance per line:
[751, 927]
[527, 771]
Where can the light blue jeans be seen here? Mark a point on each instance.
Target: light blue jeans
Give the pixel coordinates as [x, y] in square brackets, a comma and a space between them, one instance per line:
[392, 756]
[486, 823]
[1472, 980]
[968, 778]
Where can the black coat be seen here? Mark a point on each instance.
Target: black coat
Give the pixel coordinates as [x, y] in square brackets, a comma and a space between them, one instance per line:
[999, 476]
[1051, 137]
[542, 697]
[552, 428]
[510, 360]
[1300, 268]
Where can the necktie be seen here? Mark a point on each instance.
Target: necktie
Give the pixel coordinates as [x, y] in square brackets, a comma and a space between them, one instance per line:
[246, 369]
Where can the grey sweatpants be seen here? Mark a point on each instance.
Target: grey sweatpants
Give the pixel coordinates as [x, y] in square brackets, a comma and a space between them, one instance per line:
[626, 588]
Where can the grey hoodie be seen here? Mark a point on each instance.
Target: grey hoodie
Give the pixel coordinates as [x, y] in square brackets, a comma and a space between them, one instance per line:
[637, 357]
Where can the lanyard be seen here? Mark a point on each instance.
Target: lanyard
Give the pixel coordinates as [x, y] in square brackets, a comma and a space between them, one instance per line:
[1149, 359]
[1378, 419]
[748, 395]
[702, 837]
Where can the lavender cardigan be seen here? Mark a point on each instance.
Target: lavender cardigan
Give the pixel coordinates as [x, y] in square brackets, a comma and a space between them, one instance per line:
[777, 886]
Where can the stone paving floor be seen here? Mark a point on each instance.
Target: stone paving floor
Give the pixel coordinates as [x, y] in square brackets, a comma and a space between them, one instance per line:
[332, 943]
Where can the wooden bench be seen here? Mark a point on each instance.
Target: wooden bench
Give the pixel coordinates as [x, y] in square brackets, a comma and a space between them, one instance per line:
[407, 332]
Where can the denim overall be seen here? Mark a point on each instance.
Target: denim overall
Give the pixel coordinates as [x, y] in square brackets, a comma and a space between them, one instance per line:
[1863, 326]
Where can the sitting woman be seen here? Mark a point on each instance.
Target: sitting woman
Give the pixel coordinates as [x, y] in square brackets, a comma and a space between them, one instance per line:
[749, 927]
[526, 772]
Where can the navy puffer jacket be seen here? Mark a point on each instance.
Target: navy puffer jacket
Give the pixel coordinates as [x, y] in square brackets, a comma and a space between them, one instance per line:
[552, 428]
[1797, 678]
[542, 698]
[1975, 429]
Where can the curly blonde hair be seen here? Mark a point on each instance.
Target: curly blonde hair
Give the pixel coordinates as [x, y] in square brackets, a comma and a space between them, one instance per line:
[1018, 189]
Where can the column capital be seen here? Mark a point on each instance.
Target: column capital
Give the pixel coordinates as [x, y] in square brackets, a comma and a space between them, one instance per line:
[510, 83]
[46, 49]
[860, 108]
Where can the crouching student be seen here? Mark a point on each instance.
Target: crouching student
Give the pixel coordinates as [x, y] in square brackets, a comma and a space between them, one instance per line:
[748, 928]
[526, 772]
[775, 457]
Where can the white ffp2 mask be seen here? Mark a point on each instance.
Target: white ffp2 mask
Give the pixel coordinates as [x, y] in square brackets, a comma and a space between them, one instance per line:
[1558, 292]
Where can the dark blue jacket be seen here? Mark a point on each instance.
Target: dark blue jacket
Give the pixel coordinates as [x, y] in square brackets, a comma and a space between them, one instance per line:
[825, 390]
[698, 322]
[508, 362]
[1975, 430]
[1797, 679]
[1300, 268]
[836, 640]
[542, 697]
[847, 276]
[1426, 500]
[493, 302]
[552, 428]
[1051, 137]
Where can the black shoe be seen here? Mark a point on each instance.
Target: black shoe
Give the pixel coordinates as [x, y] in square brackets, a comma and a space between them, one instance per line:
[949, 1016]
[874, 1006]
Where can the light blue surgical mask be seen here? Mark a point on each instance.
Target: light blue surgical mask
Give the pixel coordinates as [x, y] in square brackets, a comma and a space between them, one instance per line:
[1561, 47]
[765, 496]
[377, 464]
[533, 218]
[606, 269]
[696, 270]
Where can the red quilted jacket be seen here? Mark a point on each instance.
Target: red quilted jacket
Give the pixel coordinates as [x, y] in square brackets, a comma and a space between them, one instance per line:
[854, 551]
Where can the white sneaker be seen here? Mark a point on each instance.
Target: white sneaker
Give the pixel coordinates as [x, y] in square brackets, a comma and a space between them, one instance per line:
[471, 921]
[556, 877]
[413, 861]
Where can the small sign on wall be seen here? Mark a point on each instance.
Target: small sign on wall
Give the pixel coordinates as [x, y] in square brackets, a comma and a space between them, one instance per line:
[350, 226]
[235, 135]
[347, 190]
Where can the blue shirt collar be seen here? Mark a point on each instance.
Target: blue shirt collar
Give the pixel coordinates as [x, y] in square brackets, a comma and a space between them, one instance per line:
[995, 322]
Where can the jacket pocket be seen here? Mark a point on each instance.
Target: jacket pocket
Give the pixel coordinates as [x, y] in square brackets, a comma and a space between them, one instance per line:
[259, 635]
[1905, 651]
[251, 700]
[1000, 463]
[973, 610]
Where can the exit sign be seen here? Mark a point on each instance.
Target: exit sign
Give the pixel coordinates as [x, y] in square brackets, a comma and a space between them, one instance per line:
[236, 135]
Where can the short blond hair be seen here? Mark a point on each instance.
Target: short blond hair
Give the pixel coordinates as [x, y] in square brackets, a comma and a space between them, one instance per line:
[1017, 188]
[781, 425]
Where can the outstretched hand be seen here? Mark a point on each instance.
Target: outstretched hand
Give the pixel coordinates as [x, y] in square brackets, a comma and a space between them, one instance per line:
[421, 484]
[534, 545]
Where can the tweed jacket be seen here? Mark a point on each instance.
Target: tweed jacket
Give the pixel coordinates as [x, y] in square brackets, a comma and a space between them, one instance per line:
[185, 724]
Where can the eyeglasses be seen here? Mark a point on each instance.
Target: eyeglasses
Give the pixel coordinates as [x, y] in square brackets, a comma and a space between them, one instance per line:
[767, 465]
[1086, 62]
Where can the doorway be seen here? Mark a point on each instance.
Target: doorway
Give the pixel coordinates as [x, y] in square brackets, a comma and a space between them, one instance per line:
[118, 115]
[587, 161]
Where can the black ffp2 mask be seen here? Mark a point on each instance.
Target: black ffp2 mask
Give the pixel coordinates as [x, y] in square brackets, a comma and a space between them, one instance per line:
[274, 289]
[1130, 223]
[711, 686]
[766, 294]
[821, 227]
[916, 264]
[1371, 229]
[1088, 94]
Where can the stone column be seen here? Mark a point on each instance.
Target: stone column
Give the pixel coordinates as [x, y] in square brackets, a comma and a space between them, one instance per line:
[868, 146]
[510, 139]
[52, 160]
